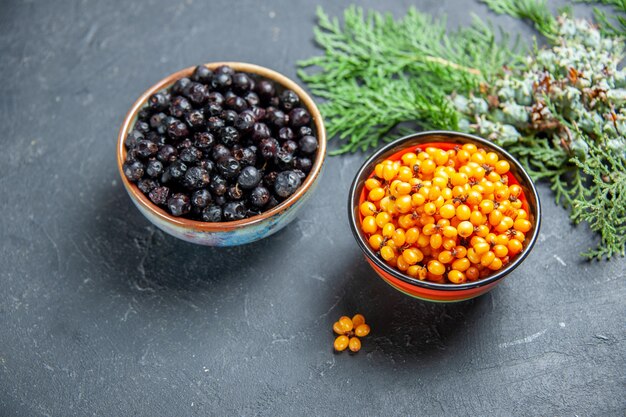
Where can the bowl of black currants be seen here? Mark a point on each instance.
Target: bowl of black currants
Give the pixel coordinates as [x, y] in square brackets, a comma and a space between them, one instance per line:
[221, 154]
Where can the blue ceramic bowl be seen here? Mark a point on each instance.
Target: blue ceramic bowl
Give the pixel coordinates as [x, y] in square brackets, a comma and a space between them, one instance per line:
[235, 232]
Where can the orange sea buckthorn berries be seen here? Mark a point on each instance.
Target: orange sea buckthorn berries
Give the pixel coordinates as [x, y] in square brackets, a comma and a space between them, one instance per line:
[349, 331]
[448, 216]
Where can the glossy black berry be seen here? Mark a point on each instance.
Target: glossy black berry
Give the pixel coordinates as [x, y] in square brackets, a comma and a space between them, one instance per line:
[249, 177]
[154, 168]
[167, 153]
[174, 172]
[201, 198]
[270, 178]
[305, 131]
[159, 195]
[236, 103]
[196, 177]
[234, 193]
[180, 86]
[133, 170]
[272, 203]
[216, 97]
[260, 131]
[159, 101]
[229, 136]
[195, 119]
[287, 182]
[212, 213]
[246, 156]
[252, 98]
[220, 151]
[221, 81]
[278, 118]
[198, 93]
[228, 167]
[179, 106]
[190, 155]
[289, 100]
[259, 196]
[268, 148]
[229, 117]
[213, 109]
[284, 159]
[177, 130]
[234, 210]
[303, 164]
[265, 89]
[285, 133]
[202, 74]
[146, 185]
[245, 121]
[179, 204]
[225, 69]
[299, 117]
[157, 122]
[214, 124]
[290, 146]
[218, 185]
[258, 113]
[132, 138]
[207, 164]
[144, 114]
[142, 126]
[308, 144]
[241, 83]
[203, 140]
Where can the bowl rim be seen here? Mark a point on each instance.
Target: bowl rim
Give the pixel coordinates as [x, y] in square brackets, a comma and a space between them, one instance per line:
[443, 134]
[167, 81]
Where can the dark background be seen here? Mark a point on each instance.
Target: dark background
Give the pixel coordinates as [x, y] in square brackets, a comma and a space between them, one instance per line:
[102, 314]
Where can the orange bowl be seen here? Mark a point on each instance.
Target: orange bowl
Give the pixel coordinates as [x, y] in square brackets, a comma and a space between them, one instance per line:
[433, 291]
[234, 232]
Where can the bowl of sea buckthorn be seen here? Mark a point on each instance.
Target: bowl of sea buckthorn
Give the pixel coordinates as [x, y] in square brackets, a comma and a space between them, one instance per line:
[444, 216]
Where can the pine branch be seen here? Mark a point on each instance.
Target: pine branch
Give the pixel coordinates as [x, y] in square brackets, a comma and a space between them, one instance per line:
[536, 11]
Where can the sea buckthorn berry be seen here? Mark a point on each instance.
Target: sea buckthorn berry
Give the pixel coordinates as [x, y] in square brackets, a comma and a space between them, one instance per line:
[378, 170]
[358, 320]
[491, 158]
[481, 248]
[502, 167]
[372, 183]
[474, 197]
[502, 194]
[521, 214]
[411, 235]
[522, 225]
[341, 343]
[461, 264]
[337, 328]
[515, 190]
[495, 217]
[465, 229]
[445, 257]
[417, 199]
[405, 174]
[406, 221]
[430, 208]
[399, 237]
[514, 246]
[500, 250]
[376, 194]
[382, 219]
[369, 224]
[376, 241]
[470, 147]
[458, 179]
[496, 264]
[387, 253]
[346, 323]
[362, 330]
[403, 188]
[463, 212]
[479, 158]
[459, 251]
[463, 156]
[403, 204]
[472, 273]
[481, 230]
[477, 218]
[440, 182]
[473, 256]
[412, 256]
[447, 211]
[401, 264]
[436, 241]
[367, 208]
[436, 267]
[428, 166]
[487, 258]
[441, 157]
[455, 276]
[390, 172]
[486, 206]
[388, 230]
[429, 229]
[448, 243]
[449, 231]
[409, 159]
[423, 241]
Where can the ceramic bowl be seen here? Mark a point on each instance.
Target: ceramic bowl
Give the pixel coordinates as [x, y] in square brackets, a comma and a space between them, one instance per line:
[432, 291]
[234, 232]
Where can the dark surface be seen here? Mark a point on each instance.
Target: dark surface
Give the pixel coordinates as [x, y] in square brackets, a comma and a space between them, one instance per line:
[101, 314]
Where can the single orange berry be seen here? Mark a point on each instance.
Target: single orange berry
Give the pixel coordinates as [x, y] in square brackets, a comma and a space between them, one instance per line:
[341, 343]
